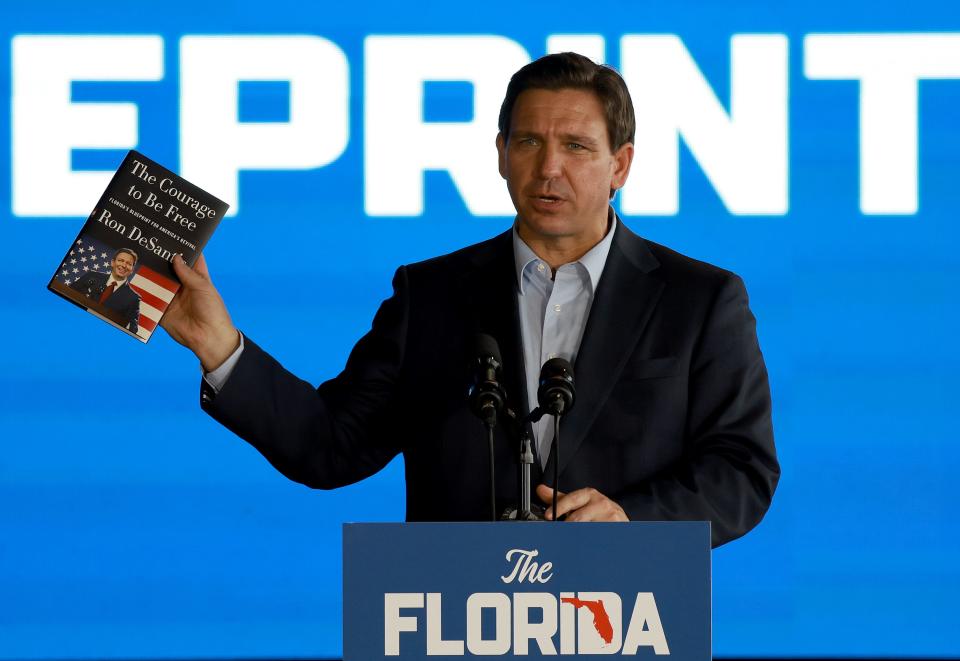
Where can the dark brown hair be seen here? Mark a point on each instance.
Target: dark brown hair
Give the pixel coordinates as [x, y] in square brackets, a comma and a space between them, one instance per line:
[128, 251]
[573, 71]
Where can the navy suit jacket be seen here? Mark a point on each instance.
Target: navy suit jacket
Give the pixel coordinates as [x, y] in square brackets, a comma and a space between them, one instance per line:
[123, 300]
[673, 411]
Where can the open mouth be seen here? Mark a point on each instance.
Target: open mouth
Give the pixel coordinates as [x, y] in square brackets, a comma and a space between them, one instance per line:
[547, 199]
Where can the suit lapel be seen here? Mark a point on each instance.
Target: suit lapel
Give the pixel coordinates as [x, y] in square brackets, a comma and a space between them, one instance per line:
[492, 298]
[622, 306]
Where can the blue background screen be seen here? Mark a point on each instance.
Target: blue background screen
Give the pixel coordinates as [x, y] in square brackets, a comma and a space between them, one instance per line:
[132, 525]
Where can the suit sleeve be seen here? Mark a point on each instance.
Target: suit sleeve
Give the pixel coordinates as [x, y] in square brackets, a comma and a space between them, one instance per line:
[82, 284]
[322, 437]
[729, 468]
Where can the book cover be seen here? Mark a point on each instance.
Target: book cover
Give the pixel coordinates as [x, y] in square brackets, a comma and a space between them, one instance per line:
[120, 267]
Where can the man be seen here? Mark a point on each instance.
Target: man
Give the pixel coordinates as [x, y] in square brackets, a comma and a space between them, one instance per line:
[672, 419]
[111, 290]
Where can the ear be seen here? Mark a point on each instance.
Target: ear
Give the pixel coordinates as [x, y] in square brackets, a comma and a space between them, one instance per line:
[622, 159]
[502, 155]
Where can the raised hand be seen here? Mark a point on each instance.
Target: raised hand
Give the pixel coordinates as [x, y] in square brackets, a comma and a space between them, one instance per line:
[197, 317]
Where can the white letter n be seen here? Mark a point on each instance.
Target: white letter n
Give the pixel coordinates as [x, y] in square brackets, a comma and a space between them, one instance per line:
[743, 153]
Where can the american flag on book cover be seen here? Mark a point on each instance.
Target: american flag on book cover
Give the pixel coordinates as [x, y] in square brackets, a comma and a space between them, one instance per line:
[85, 255]
[155, 290]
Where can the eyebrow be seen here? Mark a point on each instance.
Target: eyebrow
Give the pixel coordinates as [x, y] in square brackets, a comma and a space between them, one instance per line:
[566, 137]
[571, 137]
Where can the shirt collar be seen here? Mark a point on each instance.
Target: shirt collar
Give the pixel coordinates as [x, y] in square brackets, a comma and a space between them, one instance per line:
[594, 260]
[110, 279]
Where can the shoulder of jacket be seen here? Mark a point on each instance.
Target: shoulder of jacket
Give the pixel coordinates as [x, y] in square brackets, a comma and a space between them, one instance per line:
[675, 265]
[455, 262]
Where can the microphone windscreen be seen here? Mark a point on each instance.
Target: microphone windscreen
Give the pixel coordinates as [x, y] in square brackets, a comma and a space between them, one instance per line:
[485, 345]
[556, 381]
[556, 367]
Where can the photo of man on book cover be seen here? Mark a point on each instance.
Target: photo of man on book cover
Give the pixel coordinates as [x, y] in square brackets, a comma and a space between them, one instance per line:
[111, 288]
[112, 282]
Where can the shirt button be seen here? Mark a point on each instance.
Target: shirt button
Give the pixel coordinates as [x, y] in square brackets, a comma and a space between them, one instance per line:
[540, 268]
[556, 308]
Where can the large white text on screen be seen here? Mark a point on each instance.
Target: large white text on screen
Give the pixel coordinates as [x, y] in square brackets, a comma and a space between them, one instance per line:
[742, 146]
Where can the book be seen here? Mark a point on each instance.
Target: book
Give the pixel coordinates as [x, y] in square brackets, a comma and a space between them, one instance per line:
[120, 267]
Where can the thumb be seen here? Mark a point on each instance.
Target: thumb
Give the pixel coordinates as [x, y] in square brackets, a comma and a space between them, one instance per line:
[188, 277]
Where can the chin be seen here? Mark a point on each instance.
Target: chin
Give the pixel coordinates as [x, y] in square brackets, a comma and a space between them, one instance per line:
[548, 225]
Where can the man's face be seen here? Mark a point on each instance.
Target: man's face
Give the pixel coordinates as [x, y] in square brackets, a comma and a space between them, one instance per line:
[122, 265]
[558, 164]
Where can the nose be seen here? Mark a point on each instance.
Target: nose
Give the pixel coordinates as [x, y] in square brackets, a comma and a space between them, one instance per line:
[550, 163]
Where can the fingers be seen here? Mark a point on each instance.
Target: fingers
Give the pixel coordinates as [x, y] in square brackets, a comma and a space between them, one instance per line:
[598, 509]
[192, 278]
[582, 505]
[200, 266]
[570, 502]
[545, 494]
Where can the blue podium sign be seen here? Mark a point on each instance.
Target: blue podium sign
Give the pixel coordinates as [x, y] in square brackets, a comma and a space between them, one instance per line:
[588, 590]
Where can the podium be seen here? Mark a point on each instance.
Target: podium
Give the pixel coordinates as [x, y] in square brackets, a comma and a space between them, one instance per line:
[581, 590]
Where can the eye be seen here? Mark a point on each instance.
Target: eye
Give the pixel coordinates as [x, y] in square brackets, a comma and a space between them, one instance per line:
[575, 146]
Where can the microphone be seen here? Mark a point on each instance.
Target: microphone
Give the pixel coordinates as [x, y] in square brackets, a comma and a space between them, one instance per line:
[556, 393]
[556, 396]
[486, 397]
[485, 394]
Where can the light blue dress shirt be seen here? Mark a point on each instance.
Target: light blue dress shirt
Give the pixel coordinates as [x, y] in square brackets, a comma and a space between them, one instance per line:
[553, 314]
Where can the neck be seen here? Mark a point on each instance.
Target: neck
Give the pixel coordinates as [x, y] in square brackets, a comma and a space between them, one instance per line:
[559, 250]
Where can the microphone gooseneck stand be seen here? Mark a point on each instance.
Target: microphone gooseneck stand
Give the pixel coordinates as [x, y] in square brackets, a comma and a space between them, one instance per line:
[555, 396]
[493, 480]
[487, 397]
[525, 510]
[556, 462]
